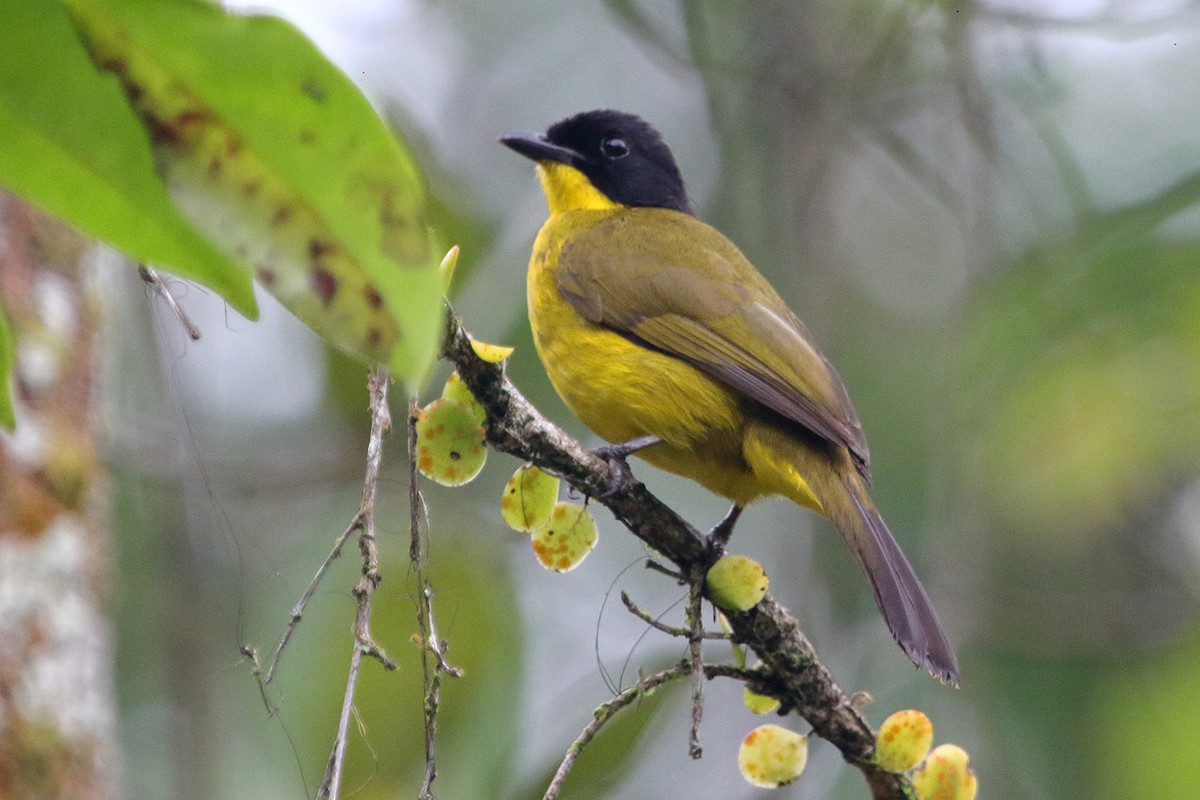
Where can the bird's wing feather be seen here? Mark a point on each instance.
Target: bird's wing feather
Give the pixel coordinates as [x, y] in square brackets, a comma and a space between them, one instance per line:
[716, 313]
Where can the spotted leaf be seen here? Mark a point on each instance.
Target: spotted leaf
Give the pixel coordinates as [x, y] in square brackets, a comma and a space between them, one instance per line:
[277, 157]
[70, 144]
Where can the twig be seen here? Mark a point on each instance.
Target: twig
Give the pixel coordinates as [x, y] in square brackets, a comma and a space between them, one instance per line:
[643, 687]
[695, 639]
[682, 633]
[355, 525]
[155, 281]
[429, 641]
[431, 681]
[787, 660]
[364, 645]
[670, 573]
[603, 714]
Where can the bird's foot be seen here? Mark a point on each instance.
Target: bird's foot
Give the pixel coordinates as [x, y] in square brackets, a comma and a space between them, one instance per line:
[616, 456]
[720, 534]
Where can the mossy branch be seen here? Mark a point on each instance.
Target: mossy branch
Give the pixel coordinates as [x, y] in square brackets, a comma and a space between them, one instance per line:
[790, 669]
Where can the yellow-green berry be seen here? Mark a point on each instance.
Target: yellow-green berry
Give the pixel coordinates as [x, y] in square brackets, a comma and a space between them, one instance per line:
[450, 446]
[736, 583]
[456, 389]
[946, 775]
[528, 499]
[567, 539]
[772, 756]
[904, 739]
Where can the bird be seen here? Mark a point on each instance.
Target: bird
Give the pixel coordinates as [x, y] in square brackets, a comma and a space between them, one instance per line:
[659, 334]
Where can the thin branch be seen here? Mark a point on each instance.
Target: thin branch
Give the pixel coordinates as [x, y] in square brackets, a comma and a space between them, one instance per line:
[695, 639]
[298, 610]
[430, 681]
[364, 645]
[431, 644]
[643, 687]
[657, 624]
[654, 566]
[787, 660]
[603, 714]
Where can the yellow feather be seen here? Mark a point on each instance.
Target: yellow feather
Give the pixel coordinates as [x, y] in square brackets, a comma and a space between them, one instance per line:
[568, 189]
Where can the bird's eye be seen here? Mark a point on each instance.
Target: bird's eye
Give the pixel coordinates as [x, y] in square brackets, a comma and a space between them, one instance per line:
[614, 147]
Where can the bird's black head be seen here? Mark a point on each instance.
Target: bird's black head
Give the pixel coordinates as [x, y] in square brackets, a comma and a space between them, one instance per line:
[621, 154]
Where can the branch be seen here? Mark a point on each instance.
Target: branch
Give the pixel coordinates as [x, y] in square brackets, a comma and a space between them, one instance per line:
[645, 685]
[659, 625]
[603, 714]
[695, 639]
[788, 661]
[365, 522]
[430, 644]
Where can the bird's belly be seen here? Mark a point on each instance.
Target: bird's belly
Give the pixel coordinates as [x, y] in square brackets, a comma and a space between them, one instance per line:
[622, 390]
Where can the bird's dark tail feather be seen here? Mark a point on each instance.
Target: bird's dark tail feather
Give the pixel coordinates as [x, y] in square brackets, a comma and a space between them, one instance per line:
[898, 591]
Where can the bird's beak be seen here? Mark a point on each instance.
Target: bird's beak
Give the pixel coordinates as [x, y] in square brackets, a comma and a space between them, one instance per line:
[537, 147]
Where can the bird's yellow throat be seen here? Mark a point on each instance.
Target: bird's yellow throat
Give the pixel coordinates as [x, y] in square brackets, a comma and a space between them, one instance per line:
[568, 189]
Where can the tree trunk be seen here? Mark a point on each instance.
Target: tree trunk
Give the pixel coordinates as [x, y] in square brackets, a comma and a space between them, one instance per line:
[57, 700]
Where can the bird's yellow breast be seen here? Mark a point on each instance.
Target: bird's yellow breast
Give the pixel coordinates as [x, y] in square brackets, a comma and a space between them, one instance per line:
[623, 390]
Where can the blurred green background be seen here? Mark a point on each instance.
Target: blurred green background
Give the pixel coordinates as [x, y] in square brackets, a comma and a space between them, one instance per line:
[987, 215]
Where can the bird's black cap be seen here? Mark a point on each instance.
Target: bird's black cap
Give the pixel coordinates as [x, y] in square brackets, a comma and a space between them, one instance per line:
[621, 154]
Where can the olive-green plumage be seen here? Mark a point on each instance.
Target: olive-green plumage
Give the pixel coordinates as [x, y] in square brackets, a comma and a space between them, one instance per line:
[651, 323]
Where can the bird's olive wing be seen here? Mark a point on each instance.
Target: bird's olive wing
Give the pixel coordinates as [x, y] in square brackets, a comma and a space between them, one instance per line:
[677, 285]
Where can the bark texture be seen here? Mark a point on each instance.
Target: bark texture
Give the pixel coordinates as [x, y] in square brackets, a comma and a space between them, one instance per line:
[57, 700]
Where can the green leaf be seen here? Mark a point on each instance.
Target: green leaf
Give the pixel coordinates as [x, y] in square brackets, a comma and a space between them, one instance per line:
[70, 144]
[280, 160]
[8, 417]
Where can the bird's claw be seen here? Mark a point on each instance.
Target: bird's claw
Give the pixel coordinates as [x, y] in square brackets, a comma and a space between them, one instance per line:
[616, 456]
[723, 530]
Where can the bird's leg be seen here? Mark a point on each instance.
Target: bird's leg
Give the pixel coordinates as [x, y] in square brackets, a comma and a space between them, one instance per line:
[624, 450]
[723, 530]
[616, 455]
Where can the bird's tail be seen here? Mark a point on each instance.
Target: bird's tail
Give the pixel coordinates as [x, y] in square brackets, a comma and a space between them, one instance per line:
[898, 591]
[824, 478]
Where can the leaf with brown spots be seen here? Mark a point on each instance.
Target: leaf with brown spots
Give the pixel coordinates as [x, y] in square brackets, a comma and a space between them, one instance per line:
[278, 158]
[72, 146]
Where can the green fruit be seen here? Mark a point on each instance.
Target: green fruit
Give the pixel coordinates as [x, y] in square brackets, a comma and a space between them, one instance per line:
[904, 739]
[455, 389]
[450, 447]
[570, 535]
[946, 775]
[772, 756]
[528, 499]
[736, 583]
